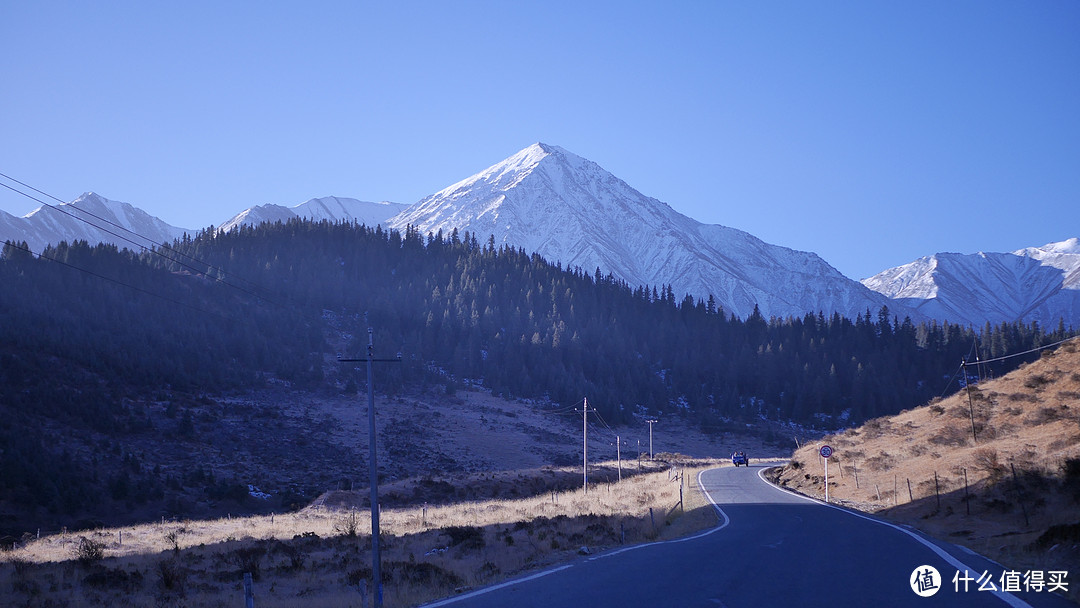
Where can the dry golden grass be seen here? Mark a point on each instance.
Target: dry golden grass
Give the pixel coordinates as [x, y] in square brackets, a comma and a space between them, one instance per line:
[1028, 420]
[310, 558]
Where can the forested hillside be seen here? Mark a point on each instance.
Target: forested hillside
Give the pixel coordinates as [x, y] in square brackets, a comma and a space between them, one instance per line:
[519, 324]
[529, 328]
[89, 328]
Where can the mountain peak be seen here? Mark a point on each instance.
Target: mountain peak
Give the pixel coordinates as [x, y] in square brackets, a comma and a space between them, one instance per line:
[1067, 246]
[540, 148]
[92, 218]
[89, 195]
[549, 201]
[528, 158]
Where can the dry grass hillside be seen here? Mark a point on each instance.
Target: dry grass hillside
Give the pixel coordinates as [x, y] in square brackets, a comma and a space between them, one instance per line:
[321, 555]
[1012, 493]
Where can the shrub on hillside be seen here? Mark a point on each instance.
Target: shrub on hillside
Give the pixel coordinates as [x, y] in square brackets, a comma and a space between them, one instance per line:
[88, 551]
[171, 575]
[1071, 476]
[986, 460]
[248, 559]
[467, 537]
[918, 449]
[960, 411]
[348, 524]
[951, 435]
[882, 462]
[877, 427]
[1044, 415]
[113, 578]
[421, 574]
[1037, 381]
[1054, 535]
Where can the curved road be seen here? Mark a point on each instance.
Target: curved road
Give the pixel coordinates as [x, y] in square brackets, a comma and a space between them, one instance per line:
[771, 548]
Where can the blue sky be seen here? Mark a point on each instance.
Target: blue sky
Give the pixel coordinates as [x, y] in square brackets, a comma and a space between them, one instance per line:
[870, 133]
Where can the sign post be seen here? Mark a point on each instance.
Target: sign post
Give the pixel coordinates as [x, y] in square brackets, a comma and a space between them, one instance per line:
[826, 452]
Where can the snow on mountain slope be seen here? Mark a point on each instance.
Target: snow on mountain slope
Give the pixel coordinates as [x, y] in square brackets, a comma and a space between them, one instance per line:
[337, 209]
[48, 225]
[253, 216]
[1034, 284]
[330, 208]
[568, 209]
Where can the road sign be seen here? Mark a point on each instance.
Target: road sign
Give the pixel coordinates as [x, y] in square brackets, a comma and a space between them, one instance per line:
[825, 452]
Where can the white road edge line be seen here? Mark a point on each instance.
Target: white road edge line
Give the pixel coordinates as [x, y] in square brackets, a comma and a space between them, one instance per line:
[510, 583]
[719, 511]
[1008, 598]
[458, 598]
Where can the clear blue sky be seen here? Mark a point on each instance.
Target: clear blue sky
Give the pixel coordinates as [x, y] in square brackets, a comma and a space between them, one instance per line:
[871, 133]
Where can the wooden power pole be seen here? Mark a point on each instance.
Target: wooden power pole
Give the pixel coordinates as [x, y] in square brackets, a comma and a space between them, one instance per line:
[376, 561]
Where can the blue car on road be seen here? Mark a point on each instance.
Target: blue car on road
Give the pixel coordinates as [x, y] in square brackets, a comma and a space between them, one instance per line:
[738, 458]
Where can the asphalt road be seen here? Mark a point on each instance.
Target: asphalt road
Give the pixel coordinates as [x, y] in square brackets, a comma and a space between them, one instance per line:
[771, 548]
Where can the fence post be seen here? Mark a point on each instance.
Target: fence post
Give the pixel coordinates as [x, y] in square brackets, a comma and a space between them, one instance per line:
[855, 469]
[937, 491]
[967, 499]
[911, 497]
[1020, 495]
[249, 595]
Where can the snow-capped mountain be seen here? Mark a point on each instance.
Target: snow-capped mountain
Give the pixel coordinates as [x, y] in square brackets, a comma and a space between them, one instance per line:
[1033, 284]
[330, 208]
[569, 209]
[92, 218]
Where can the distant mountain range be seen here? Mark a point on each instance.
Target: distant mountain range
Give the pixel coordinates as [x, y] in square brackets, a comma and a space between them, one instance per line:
[569, 209]
[1037, 283]
[331, 208]
[91, 218]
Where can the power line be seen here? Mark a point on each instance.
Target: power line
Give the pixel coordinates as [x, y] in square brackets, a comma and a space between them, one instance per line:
[142, 246]
[1026, 352]
[156, 249]
[116, 281]
[964, 364]
[949, 383]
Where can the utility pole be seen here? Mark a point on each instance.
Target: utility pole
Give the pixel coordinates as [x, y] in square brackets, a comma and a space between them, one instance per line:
[376, 562]
[585, 446]
[618, 456]
[651, 422]
[971, 407]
